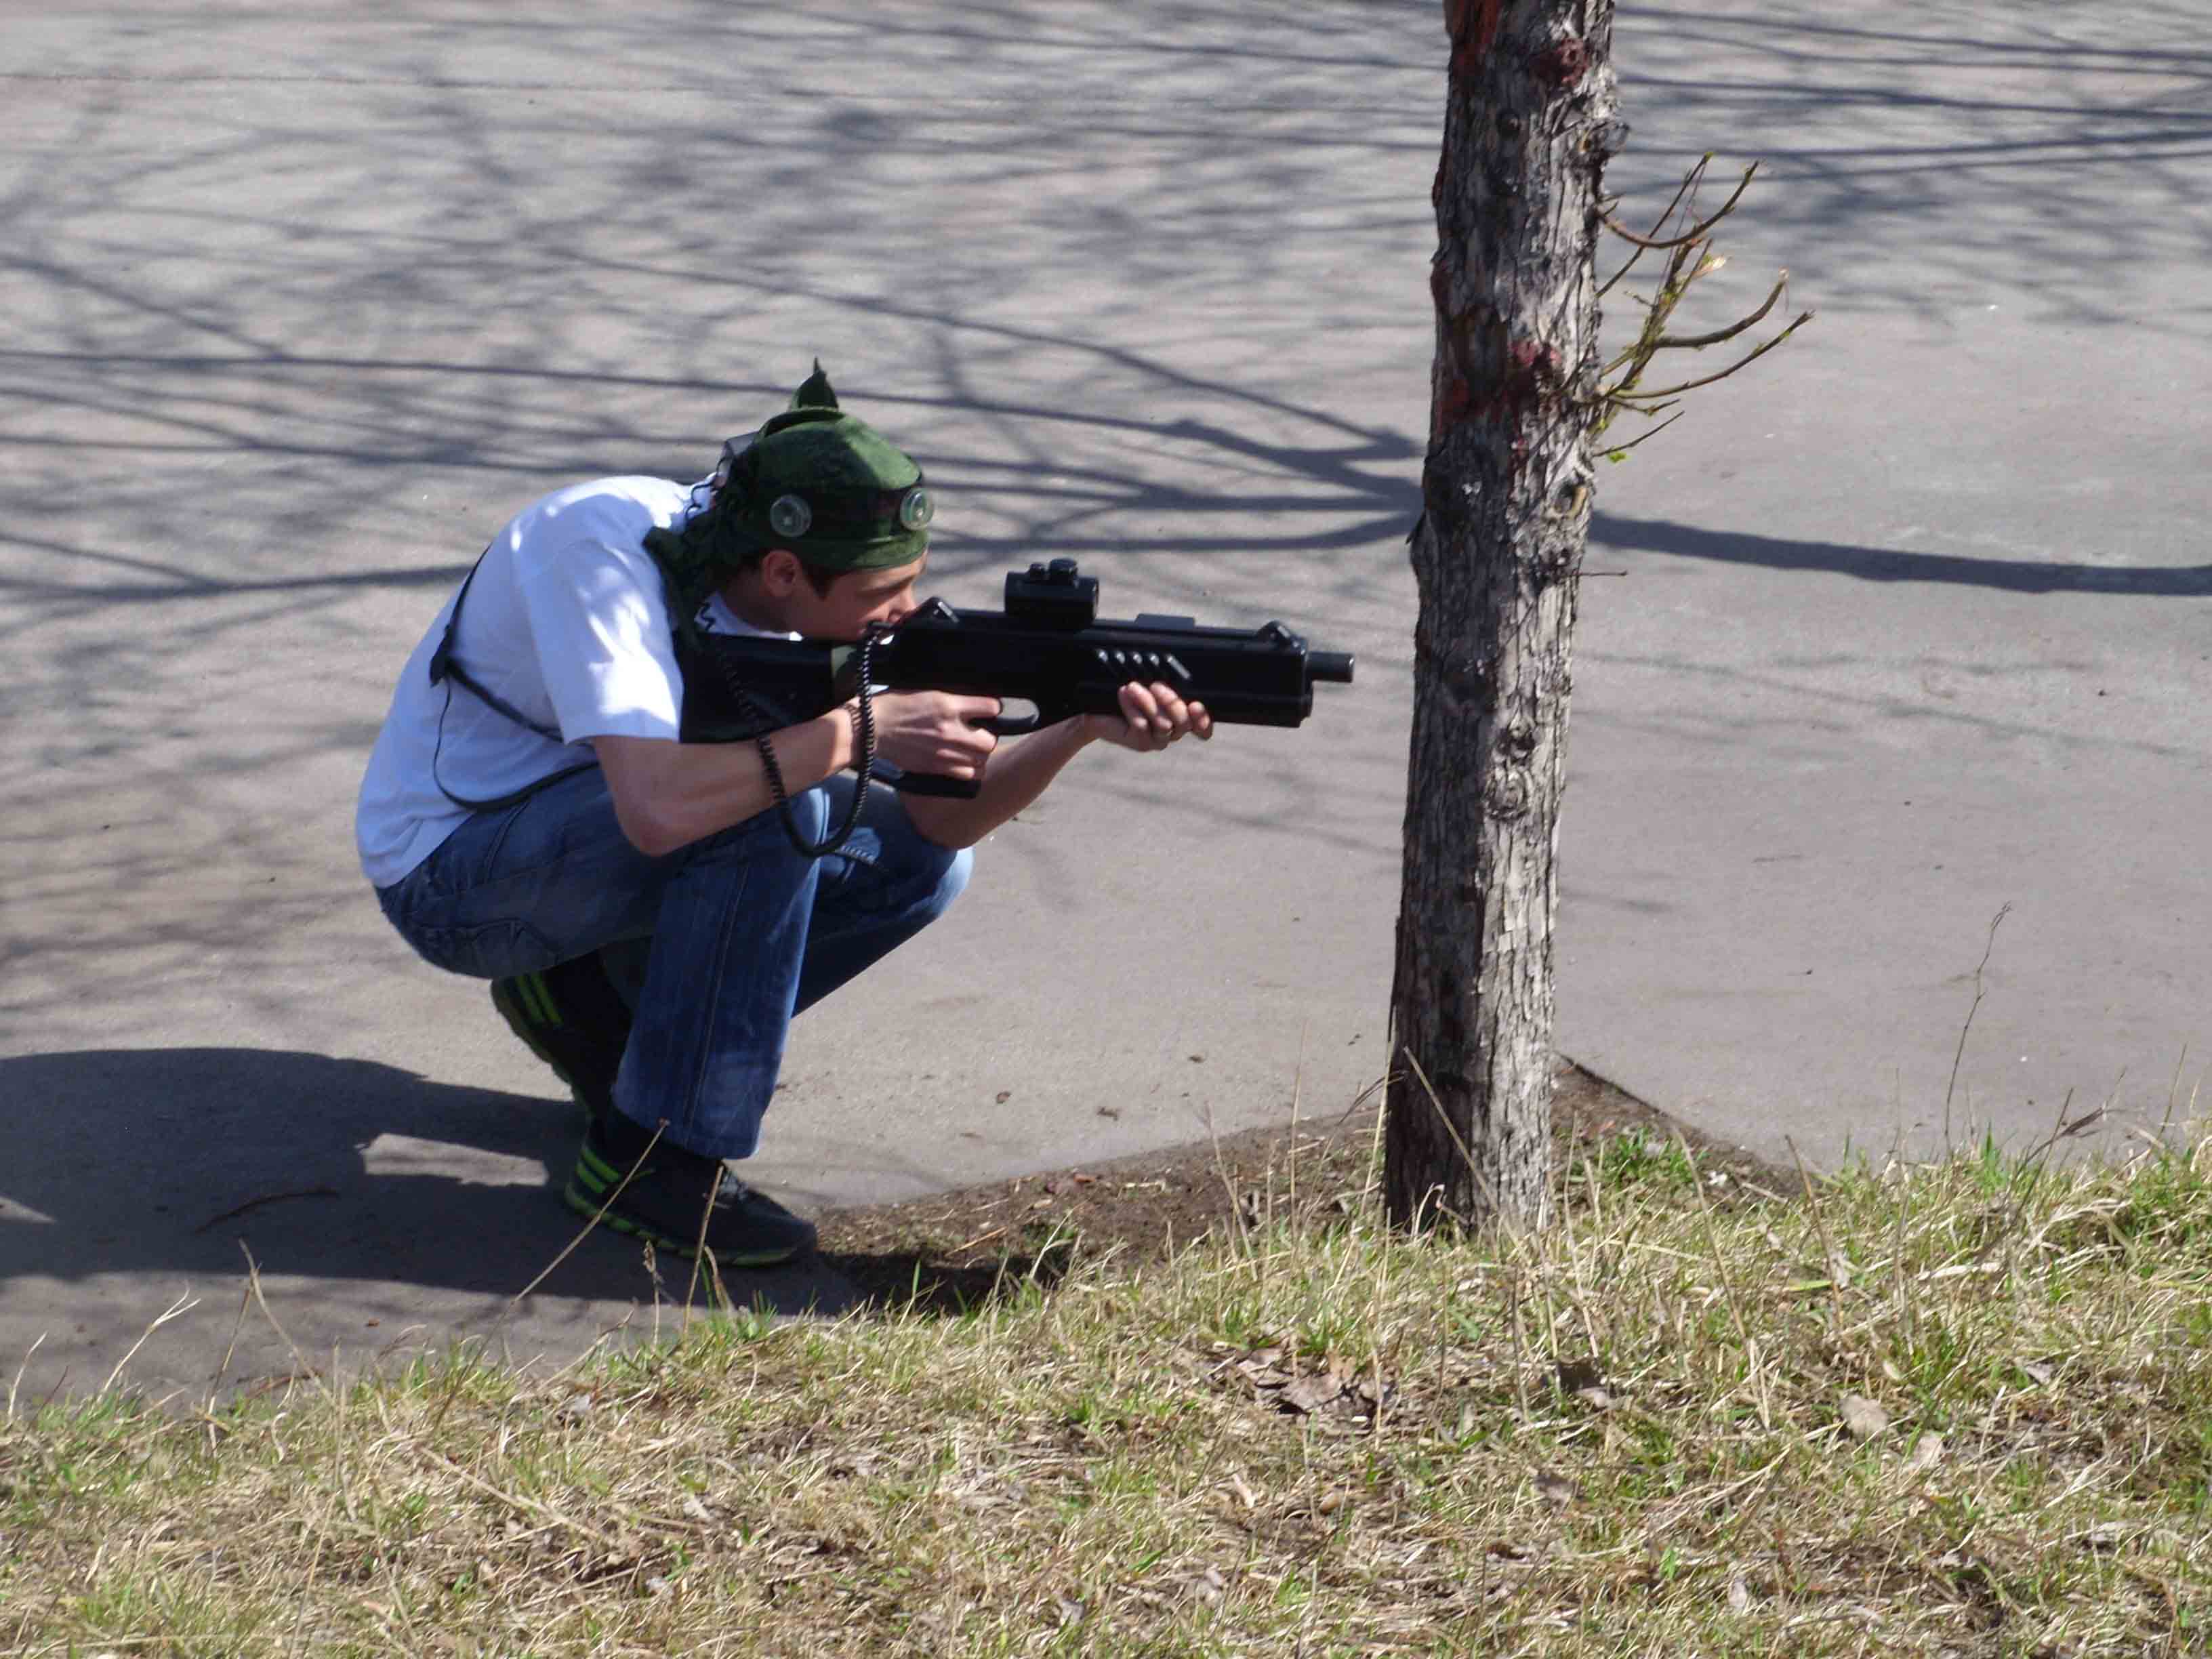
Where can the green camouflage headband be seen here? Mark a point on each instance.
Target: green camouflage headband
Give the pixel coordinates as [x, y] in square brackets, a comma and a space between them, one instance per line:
[815, 480]
[826, 485]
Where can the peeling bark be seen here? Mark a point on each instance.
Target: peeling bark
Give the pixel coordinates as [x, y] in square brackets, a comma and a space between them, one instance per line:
[1506, 492]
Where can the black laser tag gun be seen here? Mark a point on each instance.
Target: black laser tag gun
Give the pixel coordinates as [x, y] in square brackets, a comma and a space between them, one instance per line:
[1047, 649]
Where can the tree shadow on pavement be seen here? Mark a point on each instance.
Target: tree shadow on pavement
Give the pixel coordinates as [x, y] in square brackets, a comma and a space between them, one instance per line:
[1883, 564]
[182, 1164]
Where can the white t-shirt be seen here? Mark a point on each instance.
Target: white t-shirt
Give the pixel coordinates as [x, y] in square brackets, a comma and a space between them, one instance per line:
[566, 621]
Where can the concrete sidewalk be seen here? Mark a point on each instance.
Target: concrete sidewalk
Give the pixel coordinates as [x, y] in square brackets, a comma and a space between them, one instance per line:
[1906, 625]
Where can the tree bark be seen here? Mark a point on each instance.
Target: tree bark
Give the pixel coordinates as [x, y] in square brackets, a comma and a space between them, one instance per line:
[1506, 493]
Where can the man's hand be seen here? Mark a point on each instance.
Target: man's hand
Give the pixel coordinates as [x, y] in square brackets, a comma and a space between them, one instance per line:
[1153, 717]
[933, 732]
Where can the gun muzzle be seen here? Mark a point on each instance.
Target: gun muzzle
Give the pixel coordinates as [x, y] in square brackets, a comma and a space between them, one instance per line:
[1335, 666]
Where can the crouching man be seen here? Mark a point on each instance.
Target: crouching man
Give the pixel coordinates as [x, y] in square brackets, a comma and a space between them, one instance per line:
[642, 905]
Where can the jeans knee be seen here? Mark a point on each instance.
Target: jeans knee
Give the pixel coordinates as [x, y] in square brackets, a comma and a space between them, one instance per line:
[952, 880]
[809, 817]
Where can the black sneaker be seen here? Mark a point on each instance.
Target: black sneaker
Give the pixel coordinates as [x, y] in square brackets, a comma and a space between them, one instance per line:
[573, 1018]
[669, 1190]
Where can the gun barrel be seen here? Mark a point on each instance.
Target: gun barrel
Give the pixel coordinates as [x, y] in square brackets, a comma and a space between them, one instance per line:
[1334, 666]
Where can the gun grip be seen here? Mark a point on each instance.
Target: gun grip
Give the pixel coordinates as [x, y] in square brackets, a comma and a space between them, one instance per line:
[932, 783]
[1013, 726]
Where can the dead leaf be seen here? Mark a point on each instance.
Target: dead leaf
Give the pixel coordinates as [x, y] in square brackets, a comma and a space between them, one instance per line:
[1576, 1374]
[1863, 1417]
[1308, 1395]
[1243, 1488]
[1556, 1489]
[1596, 1399]
[2036, 1373]
[1927, 1452]
[1739, 1594]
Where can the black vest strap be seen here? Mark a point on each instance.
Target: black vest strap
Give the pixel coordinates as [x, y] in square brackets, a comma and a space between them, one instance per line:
[444, 668]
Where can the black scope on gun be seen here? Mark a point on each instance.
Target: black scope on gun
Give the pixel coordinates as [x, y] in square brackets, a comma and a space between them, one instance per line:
[1057, 595]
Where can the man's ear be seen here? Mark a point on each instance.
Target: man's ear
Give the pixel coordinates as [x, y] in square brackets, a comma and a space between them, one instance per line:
[781, 571]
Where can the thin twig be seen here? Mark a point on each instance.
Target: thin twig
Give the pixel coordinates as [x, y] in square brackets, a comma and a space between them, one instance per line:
[1697, 232]
[20, 1370]
[1700, 342]
[1833, 1262]
[185, 1303]
[1629, 400]
[527, 1505]
[1489, 1195]
[619, 1188]
[1712, 1239]
[1615, 450]
[1298, 1086]
[265, 1197]
[1988, 946]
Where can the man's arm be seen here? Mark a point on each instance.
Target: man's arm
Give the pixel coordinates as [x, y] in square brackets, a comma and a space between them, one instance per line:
[669, 794]
[1151, 718]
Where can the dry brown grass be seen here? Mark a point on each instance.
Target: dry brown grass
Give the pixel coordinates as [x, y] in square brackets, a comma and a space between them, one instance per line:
[1962, 1409]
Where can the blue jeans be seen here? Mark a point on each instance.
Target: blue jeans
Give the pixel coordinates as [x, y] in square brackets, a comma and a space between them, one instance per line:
[716, 945]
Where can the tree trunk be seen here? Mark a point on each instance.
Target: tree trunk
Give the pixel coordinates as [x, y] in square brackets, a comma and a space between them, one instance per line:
[1506, 494]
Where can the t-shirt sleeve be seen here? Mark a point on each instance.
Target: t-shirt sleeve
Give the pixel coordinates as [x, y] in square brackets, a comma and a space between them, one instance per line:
[601, 629]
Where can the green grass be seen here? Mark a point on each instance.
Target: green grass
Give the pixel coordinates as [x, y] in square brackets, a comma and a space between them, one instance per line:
[1637, 1434]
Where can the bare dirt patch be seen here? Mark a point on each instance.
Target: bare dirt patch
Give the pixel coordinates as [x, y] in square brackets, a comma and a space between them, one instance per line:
[955, 1250]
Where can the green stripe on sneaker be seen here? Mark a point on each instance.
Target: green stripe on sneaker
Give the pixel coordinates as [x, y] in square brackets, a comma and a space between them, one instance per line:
[540, 1000]
[584, 1205]
[596, 1169]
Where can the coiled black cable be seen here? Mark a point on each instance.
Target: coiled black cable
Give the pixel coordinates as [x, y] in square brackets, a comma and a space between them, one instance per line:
[865, 723]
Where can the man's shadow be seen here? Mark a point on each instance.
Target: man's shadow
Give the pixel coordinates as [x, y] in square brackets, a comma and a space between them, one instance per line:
[162, 1161]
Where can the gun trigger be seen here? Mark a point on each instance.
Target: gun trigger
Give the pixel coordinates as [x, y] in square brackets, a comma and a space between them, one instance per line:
[932, 783]
[1014, 726]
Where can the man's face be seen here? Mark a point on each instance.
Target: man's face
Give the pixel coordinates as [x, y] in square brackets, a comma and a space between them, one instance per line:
[855, 599]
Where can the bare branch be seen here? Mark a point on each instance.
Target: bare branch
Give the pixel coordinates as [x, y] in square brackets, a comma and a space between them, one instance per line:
[1748, 357]
[1698, 342]
[1607, 286]
[1613, 452]
[1696, 231]
[1687, 188]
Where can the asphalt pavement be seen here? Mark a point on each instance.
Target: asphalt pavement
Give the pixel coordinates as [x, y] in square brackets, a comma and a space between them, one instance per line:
[1906, 629]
